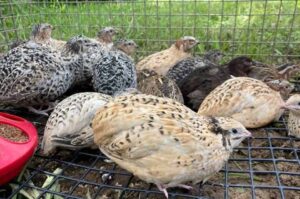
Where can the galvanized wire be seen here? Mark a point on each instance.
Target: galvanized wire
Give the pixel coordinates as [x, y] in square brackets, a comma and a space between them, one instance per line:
[265, 30]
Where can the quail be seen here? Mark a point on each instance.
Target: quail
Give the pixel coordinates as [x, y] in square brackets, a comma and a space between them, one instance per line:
[293, 105]
[247, 100]
[69, 124]
[32, 75]
[162, 61]
[161, 141]
[149, 82]
[186, 66]
[114, 72]
[198, 84]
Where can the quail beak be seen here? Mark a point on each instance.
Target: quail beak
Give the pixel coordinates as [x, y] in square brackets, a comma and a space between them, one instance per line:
[247, 133]
[197, 42]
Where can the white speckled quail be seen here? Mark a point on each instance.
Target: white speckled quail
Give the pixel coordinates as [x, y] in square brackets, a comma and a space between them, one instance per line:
[149, 82]
[162, 61]
[162, 142]
[69, 124]
[31, 74]
[293, 105]
[114, 72]
[247, 100]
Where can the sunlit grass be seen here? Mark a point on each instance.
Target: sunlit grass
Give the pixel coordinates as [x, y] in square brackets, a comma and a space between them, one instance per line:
[236, 27]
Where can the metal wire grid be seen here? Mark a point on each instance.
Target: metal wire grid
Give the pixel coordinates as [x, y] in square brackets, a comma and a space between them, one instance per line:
[264, 29]
[267, 166]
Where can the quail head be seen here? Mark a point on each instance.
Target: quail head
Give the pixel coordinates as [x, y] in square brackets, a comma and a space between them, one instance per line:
[247, 100]
[240, 66]
[41, 33]
[161, 141]
[214, 56]
[69, 125]
[293, 105]
[127, 46]
[105, 37]
[162, 61]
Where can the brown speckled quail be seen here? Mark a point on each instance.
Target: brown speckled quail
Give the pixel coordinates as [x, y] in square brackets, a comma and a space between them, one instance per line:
[247, 100]
[162, 61]
[293, 105]
[161, 141]
[149, 82]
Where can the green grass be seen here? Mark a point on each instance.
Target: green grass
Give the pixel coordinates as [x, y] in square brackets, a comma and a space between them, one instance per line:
[240, 27]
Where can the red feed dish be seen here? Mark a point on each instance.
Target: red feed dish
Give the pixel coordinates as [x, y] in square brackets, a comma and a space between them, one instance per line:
[14, 155]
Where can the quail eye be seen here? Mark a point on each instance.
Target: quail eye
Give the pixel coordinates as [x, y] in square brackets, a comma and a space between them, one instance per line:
[298, 103]
[234, 131]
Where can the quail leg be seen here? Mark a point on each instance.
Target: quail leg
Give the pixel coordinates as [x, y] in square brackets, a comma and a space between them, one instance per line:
[39, 112]
[185, 186]
[163, 189]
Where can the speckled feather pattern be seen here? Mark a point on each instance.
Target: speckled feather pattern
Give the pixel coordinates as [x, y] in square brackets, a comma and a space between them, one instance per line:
[185, 67]
[114, 72]
[149, 82]
[247, 100]
[139, 132]
[294, 124]
[31, 74]
[69, 125]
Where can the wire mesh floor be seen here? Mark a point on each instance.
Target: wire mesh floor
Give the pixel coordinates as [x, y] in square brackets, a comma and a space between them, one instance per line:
[266, 166]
